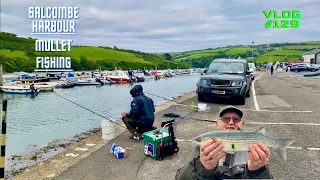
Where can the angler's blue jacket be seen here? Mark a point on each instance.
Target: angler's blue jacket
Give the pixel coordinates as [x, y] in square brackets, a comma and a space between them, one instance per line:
[142, 107]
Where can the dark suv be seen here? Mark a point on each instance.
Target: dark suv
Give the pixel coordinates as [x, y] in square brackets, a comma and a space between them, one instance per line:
[228, 78]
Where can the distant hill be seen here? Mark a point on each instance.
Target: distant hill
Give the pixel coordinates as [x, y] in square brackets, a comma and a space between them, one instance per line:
[18, 54]
[281, 52]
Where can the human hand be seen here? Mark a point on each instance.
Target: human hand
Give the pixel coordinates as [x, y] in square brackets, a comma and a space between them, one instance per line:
[259, 156]
[123, 114]
[209, 156]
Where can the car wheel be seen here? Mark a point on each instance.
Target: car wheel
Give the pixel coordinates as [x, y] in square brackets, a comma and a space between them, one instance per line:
[296, 71]
[313, 70]
[201, 97]
[242, 100]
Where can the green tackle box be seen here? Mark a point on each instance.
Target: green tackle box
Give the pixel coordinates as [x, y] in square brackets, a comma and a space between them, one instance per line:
[152, 140]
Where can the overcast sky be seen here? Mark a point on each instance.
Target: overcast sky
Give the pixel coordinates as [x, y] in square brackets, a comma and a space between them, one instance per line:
[167, 26]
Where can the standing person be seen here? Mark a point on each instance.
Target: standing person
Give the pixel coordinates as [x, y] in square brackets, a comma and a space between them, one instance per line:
[271, 69]
[140, 119]
[205, 162]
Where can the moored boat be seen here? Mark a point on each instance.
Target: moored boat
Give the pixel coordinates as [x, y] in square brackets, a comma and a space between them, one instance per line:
[65, 85]
[44, 86]
[118, 77]
[27, 89]
[89, 82]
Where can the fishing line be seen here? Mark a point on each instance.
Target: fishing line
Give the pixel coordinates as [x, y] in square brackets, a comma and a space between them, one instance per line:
[125, 126]
[89, 110]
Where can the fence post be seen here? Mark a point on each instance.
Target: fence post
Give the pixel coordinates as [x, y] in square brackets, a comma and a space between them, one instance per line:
[3, 139]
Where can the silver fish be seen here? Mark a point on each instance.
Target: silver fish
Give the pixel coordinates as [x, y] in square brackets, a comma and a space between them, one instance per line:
[239, 141]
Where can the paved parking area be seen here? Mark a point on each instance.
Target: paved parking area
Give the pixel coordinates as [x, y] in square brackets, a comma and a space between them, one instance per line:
[287, 106]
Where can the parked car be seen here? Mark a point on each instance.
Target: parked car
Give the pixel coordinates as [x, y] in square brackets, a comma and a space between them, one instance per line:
[252, 67]
[226, 78]
[305, 67]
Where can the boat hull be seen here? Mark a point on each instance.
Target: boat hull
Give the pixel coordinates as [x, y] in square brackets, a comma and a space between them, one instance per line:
[120, 80]
[19, 90]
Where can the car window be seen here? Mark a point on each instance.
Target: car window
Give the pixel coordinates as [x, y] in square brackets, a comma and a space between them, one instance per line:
[226, 67]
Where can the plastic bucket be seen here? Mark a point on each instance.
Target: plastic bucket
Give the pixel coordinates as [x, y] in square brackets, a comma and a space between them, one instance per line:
[202, 106]
[108, 129]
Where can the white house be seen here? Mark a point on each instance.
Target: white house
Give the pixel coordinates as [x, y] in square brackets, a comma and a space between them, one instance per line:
[312, 57]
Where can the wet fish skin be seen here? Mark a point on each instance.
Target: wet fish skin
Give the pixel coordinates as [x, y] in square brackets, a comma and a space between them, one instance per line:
[239, 141]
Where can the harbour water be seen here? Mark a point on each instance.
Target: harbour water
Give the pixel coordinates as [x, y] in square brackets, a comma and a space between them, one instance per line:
[38, 120]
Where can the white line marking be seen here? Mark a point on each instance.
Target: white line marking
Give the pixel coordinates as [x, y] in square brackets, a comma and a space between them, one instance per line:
[290, 147]
[277, 111]
[72, 155]
[256, 105]
[81, 149]
[51, 175]
[307, 124]
[314, 149]
[293, 111]
[90, 145]
[180, 140]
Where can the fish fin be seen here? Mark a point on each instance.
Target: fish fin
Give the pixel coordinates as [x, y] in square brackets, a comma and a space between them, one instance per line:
[262, 130]
[281, 149]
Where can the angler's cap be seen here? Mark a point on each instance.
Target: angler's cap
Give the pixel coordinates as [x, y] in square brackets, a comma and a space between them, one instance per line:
[230, 109]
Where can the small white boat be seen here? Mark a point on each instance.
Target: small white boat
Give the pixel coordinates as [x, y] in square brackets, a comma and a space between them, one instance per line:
[87, 82]
[44, 86]
[27, 89]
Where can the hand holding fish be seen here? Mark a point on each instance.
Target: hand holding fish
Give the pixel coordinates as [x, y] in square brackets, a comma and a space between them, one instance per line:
[259, 156]
[209, 156]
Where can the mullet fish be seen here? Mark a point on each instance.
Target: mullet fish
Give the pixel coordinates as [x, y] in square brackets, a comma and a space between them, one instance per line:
[239, 141]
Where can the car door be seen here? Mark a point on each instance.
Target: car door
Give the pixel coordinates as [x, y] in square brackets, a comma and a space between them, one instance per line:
[248, 76]
[305, 68]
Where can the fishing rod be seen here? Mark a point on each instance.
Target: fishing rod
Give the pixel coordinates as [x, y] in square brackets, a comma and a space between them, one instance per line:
[89, 110]
[167, 99]
[120, 124]
[159, 96]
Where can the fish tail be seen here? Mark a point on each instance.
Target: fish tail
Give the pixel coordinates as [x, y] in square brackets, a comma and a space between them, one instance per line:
[281, 149]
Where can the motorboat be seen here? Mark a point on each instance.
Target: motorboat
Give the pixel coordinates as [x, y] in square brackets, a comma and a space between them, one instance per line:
[17, 89]
[86, 82]
[44, 86]
[65, 85]
[119, 77]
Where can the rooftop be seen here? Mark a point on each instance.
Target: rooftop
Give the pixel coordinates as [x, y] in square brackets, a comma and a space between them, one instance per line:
[315, 51]
[229, 60]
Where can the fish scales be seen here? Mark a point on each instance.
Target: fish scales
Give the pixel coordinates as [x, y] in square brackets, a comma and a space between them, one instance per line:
[238, 141]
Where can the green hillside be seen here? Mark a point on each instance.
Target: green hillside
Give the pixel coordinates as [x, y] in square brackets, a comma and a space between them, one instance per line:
[282, 52]
[18, 54]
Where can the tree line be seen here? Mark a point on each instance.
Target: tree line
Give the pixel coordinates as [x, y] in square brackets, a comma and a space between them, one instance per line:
[12, 42]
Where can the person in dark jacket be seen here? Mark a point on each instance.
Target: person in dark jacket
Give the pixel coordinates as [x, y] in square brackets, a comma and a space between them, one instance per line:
[206, 163]
[271, 69]
[140, 119]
